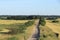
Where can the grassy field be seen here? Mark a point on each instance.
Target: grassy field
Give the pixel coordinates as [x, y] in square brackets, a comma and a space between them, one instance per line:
[8, 22]
[48, 32]
[14, 23]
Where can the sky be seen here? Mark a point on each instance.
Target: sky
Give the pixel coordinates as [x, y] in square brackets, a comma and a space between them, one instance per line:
[29, 7]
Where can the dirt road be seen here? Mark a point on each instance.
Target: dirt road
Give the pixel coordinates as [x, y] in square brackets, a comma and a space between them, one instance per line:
[36, 32]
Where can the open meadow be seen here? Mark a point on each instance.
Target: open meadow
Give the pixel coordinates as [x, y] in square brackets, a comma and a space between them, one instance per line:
[51, 30]
[16, 29]
[30, 28]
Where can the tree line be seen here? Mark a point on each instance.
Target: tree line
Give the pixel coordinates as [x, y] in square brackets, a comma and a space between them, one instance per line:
[27, 17]
[19, 17]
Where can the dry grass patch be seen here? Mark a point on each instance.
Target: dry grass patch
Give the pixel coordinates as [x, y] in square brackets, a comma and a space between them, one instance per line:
[47, 34]
[53, 26]
[7, 22]
[29, 31]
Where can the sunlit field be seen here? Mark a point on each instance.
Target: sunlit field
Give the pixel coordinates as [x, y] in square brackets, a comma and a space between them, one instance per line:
[7, 22]
[4, 24]
[51, 31]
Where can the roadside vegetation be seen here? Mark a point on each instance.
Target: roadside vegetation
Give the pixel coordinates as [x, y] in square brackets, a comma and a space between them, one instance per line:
[17, 30]
[45, 32]
[42, 21]
[12, 38]
[21, 28]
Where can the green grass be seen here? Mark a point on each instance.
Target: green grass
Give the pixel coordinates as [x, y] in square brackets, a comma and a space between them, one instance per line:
[12, 38]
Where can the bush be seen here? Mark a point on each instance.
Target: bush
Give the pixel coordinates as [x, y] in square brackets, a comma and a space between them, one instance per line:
[29, 23]
[42, 21]
[55, 21]
[23, 27]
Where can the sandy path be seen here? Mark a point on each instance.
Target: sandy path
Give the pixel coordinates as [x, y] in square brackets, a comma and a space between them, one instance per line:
[35, 32]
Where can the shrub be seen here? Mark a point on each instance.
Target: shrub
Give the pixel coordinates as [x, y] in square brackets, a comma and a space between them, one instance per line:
[55, 21]
[23, 27]
[42, 21]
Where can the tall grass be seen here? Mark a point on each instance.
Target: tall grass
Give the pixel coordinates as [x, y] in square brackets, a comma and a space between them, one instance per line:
[20, 28]
[12, 38]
